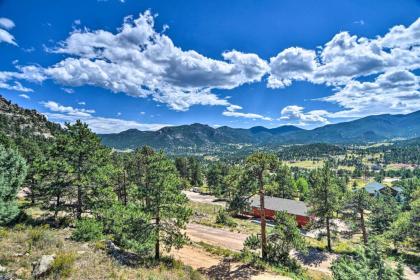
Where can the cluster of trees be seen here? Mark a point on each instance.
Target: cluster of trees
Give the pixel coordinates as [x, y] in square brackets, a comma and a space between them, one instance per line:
[135, 197]
[190, 170]
[380, 217]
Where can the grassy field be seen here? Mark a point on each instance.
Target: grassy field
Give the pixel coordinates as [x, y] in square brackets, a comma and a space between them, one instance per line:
[308, 164]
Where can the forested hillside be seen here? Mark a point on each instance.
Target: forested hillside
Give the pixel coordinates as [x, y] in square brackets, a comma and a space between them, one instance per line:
[202, 138]
[16, 121]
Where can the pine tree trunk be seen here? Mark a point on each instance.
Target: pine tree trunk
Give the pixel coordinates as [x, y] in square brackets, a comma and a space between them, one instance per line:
[362, 223]
[262, 214]
[125, 188]
[328, 235]
[57, 206]
[157, 245]
[79, 202]
[32, 192]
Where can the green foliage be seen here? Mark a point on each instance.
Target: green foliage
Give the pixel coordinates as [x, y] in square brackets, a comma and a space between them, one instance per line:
[385, 210]
[78, 169]
[368, 263]
[356, 203]
[252, 242]
[303, 188]
[284, 237]
[215, 177]
[87, 229]
[163, 200]
[285, 184]
[325, 199]
[404, 231]
[63, 264]
[12, 173]
[223, 218]
[129, 227]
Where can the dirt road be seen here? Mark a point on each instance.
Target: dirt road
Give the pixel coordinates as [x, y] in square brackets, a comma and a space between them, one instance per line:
[215, 236]
[197, 197]
[217, 268]
[315, 260]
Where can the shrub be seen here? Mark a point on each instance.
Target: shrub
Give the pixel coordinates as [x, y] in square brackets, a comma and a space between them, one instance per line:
[40, 237]
[223, 218]
[252, 242]
[63, 264]
[87, 230]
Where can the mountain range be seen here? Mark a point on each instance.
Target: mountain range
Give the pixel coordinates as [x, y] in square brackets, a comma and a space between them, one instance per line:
[17, 121]
[369, 129]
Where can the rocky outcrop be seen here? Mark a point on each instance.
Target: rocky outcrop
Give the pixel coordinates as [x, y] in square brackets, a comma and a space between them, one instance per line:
[43, 266]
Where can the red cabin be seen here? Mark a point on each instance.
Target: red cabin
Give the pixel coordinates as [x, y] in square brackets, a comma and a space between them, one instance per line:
[276, 204]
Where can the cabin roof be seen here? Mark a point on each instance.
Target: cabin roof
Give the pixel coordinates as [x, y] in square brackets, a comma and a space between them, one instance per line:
[281, 204]
[374, 187]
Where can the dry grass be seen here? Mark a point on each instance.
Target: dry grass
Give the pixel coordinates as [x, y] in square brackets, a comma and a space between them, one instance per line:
[22, 245]
[307, 164]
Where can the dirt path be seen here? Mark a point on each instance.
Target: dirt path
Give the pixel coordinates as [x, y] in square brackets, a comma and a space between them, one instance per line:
[315, 260]
[215, 236]
[217, 268]
[209, 199]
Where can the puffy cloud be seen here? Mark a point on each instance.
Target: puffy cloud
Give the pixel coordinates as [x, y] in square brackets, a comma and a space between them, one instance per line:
[5, 36]
[392, 92]
[141, 62]
[346, 57]
[231, 111]
[76, 112]
[63, 114]
[402, 37]
[6, 23]
[295, 114]
[291, 64]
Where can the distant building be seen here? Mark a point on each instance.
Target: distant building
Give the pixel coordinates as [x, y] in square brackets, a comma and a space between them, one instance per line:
[375, 188]
[276, 204]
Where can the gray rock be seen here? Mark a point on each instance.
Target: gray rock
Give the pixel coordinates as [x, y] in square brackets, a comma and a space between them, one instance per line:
[41, 267]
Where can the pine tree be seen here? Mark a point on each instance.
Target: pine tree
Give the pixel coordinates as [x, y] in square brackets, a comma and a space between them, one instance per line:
[325, 199]
[259, 165]
[12, 173]
[286, 186]
[89, 160]
[166, 204]
[78, 169]
[357, 202]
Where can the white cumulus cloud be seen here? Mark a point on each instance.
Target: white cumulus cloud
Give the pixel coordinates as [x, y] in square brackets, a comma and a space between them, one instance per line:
[295, 114]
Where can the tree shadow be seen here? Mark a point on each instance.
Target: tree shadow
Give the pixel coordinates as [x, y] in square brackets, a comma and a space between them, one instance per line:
[313, 257]
[225, 271]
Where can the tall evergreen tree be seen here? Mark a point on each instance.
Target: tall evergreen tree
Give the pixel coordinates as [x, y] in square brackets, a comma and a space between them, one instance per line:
[259, 165]
[325, 199]
[166, 204]
[357, 202]
[286, 186]
[12, 173]
[88, 159]
[385, 210]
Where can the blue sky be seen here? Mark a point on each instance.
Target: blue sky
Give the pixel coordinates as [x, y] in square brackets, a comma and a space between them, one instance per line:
[145, 64]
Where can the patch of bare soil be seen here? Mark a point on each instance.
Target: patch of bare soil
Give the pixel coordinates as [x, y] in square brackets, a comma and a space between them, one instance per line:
[218, 268]
[216, 236]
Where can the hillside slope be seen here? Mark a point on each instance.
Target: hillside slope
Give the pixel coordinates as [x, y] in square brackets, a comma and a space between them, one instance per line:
[17, 121]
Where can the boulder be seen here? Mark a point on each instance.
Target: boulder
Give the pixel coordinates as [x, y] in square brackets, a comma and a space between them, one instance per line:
[42, 266]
